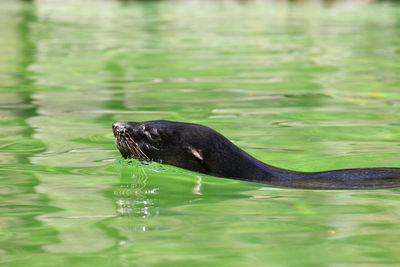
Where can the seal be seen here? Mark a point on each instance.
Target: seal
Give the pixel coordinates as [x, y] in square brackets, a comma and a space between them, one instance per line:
[201, 149]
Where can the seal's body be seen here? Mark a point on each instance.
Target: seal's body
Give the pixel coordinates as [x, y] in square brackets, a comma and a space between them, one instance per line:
[198, 148]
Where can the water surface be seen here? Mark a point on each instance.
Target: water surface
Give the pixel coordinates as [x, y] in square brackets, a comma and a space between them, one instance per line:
[305, 87]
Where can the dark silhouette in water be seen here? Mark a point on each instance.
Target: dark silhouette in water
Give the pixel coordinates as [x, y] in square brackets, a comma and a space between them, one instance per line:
[198, 148]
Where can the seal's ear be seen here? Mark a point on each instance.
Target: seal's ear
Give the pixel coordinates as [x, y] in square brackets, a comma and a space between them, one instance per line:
[198, 153]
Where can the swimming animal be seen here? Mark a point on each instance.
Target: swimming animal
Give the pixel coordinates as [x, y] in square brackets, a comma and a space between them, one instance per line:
[201, 149]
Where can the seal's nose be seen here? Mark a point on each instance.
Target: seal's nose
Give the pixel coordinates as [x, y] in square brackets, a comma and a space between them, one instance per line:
[118, 126]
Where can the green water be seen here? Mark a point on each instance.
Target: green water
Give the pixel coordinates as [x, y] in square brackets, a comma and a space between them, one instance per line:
[306, 87]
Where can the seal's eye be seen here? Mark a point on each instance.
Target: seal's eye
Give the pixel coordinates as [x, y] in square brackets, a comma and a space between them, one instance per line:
[153, 136]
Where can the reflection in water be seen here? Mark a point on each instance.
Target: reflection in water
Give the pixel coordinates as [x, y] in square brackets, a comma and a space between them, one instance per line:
[28, 17]
[22, 204]
[136, 199]
[197, 188]
[66, 215]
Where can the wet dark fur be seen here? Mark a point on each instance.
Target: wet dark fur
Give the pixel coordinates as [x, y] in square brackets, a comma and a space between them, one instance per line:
[198, 148]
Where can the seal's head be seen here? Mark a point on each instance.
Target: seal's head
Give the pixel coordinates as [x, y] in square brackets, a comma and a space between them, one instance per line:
[184, 145]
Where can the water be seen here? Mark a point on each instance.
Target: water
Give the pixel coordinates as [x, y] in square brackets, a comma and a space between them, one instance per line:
[305, 87]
